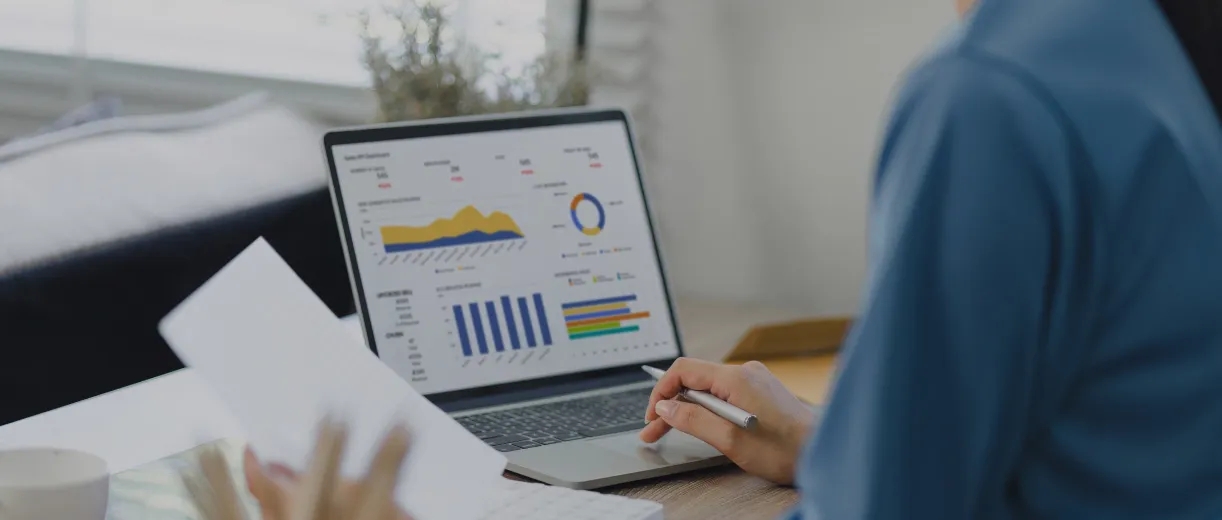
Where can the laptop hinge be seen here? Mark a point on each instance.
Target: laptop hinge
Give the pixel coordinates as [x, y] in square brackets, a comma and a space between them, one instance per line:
[531, 394]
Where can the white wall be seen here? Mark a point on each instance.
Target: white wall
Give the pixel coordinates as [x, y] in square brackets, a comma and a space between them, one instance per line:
[695, 154]
[771, 114]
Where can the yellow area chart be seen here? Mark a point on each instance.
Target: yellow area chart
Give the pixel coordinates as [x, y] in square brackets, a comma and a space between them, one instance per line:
[467, 226]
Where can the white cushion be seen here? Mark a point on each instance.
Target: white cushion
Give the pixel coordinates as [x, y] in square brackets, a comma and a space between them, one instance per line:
[148, 123]
[97, 186]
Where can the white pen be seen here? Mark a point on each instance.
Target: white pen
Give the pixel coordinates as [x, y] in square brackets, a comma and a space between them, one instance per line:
[727, 411]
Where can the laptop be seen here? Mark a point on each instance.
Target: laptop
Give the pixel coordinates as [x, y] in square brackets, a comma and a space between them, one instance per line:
[508, 268]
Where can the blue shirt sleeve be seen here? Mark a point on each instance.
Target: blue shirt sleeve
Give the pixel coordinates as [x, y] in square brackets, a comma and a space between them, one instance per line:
[932, 399]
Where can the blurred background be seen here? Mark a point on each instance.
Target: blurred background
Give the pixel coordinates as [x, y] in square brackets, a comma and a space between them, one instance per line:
[759, 120]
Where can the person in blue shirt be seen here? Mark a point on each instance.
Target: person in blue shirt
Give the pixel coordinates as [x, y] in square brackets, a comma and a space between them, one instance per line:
[1041, 330]
[1041, 335]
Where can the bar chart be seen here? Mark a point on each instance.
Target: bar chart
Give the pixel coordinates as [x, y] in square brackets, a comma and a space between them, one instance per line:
[602, 317]
[494, 325]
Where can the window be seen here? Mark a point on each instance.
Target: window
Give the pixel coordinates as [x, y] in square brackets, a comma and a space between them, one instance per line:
[306, 40]
[172, 55]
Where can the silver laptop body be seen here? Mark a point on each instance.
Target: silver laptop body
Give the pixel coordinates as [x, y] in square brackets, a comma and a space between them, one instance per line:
[508, 267]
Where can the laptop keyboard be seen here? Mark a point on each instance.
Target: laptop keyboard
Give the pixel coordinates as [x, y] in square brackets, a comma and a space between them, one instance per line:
[539, 425]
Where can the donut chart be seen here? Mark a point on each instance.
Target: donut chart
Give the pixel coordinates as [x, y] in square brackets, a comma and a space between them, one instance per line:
[602, 215]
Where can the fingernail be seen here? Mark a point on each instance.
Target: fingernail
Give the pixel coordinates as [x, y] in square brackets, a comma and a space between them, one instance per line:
[665, 408]
[280, 472]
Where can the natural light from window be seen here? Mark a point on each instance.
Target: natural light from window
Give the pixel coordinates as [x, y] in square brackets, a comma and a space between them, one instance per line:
[306, 40]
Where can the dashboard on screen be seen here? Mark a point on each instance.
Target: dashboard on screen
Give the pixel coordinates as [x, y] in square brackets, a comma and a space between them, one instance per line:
[502, 256]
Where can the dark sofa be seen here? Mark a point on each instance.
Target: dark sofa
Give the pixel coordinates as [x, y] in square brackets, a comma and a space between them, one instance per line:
[86, 325]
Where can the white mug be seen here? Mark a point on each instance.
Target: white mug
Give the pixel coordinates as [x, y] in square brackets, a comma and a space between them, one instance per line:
[46, 483]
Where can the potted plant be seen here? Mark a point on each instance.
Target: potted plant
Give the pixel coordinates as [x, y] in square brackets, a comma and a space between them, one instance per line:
[421, 69]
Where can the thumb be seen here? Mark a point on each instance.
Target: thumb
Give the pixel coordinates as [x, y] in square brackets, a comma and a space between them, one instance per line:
[272, 497]
[257, 480]
[698, 422]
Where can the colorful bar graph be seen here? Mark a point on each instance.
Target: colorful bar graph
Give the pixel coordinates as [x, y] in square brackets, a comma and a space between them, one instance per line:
[604, 301]
[530, 330]
[461, 324]
[543, 329]
[607, 332]
[601, 317]
[591, 315]
[595, 308]
[478, 325]
[495, 324]
[608, 319]
[591, 328]
[507, 306]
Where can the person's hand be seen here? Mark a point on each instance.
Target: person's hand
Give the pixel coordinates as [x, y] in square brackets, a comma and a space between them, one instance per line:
[285, 495]
[770, 450]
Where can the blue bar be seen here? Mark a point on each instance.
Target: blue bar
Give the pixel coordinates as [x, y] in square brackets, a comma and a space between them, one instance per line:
[513, 327]
[461, 325]
[530, 330]
[604, 301]
[478, 324]
[496, 326]
[547, 334]
[602, 314]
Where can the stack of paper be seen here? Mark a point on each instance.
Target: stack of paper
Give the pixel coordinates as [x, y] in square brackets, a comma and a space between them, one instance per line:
[525, 501]
[280, 361]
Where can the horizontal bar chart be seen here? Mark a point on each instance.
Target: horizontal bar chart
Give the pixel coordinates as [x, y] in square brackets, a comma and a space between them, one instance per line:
[603, 301]
[596, 308]
[601, 317]
[594, 327]
[606, 319]
[592, 315]
[607, 332]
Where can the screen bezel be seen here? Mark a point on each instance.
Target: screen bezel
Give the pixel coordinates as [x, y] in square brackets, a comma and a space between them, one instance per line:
[459, 126]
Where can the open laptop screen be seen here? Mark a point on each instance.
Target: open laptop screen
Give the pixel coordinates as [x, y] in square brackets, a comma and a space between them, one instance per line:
[502, 255]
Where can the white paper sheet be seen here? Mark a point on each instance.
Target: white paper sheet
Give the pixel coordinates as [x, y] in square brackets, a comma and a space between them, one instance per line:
[132, 426]
[280, 361]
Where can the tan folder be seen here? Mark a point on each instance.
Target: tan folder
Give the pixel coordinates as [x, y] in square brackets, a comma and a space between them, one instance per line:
[804, 337]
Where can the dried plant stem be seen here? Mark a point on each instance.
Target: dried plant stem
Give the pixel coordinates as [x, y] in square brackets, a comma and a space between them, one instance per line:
[420, 73]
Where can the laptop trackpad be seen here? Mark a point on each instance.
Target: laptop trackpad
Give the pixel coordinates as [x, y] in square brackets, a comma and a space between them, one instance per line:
[675, 448]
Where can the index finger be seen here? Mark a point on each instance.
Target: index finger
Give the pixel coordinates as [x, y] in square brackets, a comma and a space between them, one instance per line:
[376, 493]
[683, 373]
[315, 495]
[273, 499]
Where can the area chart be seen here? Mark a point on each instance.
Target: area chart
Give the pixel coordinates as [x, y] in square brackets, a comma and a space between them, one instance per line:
[468, 226]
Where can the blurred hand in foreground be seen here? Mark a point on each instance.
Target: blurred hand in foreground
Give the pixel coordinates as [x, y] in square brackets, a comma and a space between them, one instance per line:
[317, 494]
[320, 493]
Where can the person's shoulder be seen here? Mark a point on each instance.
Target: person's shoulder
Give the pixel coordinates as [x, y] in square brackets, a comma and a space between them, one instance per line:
[960, 70]
[982, 110]
[1084, 53]
[1114, 75]
[956, 83]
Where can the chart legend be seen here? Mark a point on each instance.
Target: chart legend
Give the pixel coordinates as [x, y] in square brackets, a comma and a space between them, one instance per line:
[602, 317]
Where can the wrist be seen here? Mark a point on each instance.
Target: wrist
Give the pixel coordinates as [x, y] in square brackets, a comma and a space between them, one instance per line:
[800, 428]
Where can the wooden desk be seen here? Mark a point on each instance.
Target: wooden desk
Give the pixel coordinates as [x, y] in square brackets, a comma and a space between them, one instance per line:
[710, 331]
[722, 493]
